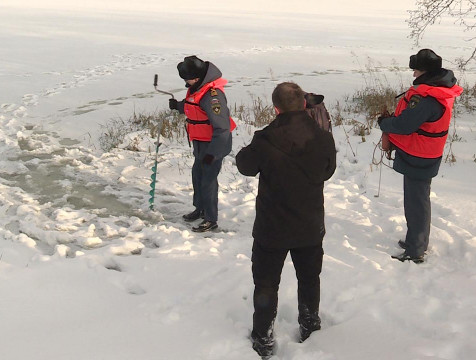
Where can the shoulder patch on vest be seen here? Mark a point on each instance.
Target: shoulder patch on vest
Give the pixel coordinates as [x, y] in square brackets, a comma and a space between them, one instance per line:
[216, 107]
[215, 103]
[414, 100]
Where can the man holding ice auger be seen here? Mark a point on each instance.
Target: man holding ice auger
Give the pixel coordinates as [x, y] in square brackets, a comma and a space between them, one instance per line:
[418, 131]
[209, 127]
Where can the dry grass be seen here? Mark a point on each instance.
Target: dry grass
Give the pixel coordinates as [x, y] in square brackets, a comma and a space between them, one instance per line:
[376, 96]
[467, 100]
[172, 124]
[372, 102]
[115, 131]
[258, 114]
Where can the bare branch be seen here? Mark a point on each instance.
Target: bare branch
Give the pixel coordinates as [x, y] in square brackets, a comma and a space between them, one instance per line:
[429, 12]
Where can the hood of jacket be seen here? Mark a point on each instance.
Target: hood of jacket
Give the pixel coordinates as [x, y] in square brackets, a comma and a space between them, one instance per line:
[212, 74]
[440, 78]
[296, 135]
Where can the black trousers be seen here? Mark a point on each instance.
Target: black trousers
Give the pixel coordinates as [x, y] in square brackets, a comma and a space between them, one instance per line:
[416, 201]
[267, 267]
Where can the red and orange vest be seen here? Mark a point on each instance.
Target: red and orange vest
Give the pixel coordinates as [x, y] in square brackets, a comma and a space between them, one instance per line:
[429, 140]
[198, 124]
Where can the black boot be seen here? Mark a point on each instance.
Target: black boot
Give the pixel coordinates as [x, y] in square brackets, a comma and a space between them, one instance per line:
[194, 215]
[308, 326]
[404, 257]
[262, 345]
[205, 225]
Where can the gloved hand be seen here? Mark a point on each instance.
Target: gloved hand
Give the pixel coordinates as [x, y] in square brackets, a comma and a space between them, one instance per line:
[173, 104]
[208, 159]
[382, 116]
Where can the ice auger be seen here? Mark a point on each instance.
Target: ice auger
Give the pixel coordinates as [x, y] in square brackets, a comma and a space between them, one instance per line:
[153, 177]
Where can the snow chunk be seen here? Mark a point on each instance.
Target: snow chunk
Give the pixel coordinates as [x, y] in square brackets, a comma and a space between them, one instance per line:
[62, 250]
[127, 248]
[12, 168]
[28, 241]
[90, 241]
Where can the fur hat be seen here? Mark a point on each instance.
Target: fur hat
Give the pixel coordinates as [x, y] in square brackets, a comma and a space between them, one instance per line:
[191, 68]
[425, 60]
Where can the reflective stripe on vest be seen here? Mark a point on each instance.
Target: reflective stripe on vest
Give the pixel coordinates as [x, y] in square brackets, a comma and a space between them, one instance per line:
[198, 124]
[429, 140]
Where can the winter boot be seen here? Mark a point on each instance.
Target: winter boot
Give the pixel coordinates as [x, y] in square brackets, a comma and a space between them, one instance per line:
[262, 345]
[306, 328]
[404, 257]
[194, 215]
[205, 225]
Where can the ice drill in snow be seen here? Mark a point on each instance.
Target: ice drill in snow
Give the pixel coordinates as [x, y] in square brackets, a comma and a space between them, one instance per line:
[153, 177]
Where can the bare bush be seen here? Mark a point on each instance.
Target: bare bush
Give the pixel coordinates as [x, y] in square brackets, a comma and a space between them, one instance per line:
[115, 131]
[172, 124]
[376, 96]
[467, 100]
[258, 114]
[338, 118]
[263, 113]
[372, 102]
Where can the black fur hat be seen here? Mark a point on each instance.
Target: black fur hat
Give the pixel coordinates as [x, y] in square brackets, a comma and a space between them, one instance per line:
[425, 60]
[191, 68]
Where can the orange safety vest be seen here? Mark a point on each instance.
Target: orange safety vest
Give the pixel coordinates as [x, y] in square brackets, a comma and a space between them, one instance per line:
[198, 124]
[429, 140]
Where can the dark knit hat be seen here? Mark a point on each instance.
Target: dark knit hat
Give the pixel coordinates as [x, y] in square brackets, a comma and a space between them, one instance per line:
[191, 68]
[425, 60]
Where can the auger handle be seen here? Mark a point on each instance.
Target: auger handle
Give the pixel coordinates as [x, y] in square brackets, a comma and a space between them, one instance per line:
[156, 78]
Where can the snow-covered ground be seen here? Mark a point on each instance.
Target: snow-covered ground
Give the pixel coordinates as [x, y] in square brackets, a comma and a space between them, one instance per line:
[88, 272]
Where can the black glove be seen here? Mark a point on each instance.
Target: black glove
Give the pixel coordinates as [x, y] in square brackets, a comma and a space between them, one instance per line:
[208, 159]
[384, 115]
[173, 104]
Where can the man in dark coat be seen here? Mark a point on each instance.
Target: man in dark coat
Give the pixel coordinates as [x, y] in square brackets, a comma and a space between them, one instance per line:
[418, 132]
[293, 157]
[209, 127]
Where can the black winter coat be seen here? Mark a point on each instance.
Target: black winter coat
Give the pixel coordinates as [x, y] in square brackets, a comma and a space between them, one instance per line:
[293, 157]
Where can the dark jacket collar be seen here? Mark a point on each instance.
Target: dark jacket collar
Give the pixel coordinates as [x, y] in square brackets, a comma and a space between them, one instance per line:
[439, 78]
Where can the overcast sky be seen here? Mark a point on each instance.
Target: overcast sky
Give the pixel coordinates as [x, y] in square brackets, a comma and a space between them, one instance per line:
[346, 7]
